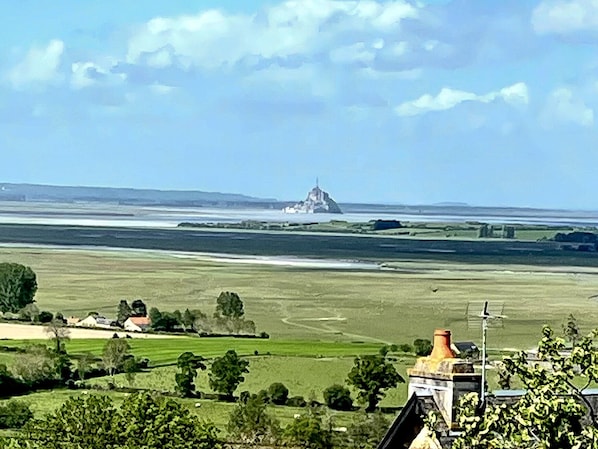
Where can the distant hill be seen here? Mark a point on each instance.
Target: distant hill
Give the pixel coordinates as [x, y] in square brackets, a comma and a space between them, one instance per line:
[68, 194]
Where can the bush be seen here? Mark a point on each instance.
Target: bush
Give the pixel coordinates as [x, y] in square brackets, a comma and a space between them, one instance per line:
[45, 316]
[423, 347]
[244, 396]
[308, 431]
[264, 335]
[394, 348]
[366, 431]
[405, 347]
[384, 350]
[338, 397]
[14, 414]
[296, 401]
[143, 363]
[263, 396]
[278, 393]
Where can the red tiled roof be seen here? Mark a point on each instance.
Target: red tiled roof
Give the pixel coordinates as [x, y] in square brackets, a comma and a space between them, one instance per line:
[140, 320]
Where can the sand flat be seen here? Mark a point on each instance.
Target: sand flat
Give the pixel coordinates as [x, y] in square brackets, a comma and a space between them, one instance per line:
[34, 332]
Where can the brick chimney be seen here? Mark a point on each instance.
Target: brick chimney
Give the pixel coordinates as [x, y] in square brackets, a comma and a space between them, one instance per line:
[443, 377]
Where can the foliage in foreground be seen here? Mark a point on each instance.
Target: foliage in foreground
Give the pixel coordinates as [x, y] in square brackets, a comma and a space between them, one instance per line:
[142, 421]
[14, 414]
[553, 413]
[250, 423]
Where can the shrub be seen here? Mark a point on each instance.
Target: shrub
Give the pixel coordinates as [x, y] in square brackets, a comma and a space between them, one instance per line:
[263, 396]
[296, 401]
[367, 430]
[143, 363]
[308, 431]
[45, 316]
[278, 393]
[338, 397]
[384, 350]
[405, 347]
[394, 348]
[244, 396]
[264, 335]
[14, 414]
[251, 423]
[423, 346]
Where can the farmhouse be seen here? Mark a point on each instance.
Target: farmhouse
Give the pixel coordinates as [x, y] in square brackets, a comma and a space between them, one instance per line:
[72, 320]
[137, 324]
[96, 321]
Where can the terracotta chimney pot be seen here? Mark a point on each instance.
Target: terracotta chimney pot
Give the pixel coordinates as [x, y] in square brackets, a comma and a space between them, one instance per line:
[442, 345]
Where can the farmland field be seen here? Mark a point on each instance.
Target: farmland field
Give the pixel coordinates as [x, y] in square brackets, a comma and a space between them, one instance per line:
[318, 318]
[305, 304]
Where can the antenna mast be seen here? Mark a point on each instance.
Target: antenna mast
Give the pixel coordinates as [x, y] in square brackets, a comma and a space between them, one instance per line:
[485, 316]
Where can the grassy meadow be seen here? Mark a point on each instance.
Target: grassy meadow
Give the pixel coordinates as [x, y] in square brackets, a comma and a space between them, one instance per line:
[44, 402]
[303, 376]
[311, 305]
[318, 319]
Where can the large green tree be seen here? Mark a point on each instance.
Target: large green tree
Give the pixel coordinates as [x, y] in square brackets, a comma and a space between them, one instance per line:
[94, 422]
[124, 312]
[227, 373]
[552, 413]
[229, 305]
[18, 285]
[138, 308]
[188, 364]
[371, 375]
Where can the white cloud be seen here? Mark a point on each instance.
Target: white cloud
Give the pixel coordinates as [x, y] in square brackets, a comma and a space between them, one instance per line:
[352, 53]
[161, 89]
[40, 65]
[565, 16]
[214, 39]
[448, 98]
[562, 106]
[84, 74]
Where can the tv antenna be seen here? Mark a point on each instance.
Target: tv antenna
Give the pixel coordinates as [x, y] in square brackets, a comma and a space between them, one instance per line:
[485, 316]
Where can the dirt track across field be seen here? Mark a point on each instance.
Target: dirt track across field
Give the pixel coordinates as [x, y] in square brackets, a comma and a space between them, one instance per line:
[31, 332]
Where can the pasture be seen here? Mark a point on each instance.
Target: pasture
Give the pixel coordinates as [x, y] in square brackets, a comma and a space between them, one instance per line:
[305, 305]
[303, 376]
[44, 402]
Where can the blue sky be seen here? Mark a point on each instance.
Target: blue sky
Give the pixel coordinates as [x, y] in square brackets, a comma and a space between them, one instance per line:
[415, 102]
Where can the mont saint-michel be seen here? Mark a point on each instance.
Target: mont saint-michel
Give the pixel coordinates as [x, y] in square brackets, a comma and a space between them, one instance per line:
[317, 202]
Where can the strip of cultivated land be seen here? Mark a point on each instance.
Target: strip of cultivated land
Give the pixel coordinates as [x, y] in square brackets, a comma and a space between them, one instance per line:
[304, 304]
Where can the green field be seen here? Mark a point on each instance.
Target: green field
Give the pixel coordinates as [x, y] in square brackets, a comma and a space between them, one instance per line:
[217, 412]
[304, 304]
[166, 351]
[318, 319]
[303, 376]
